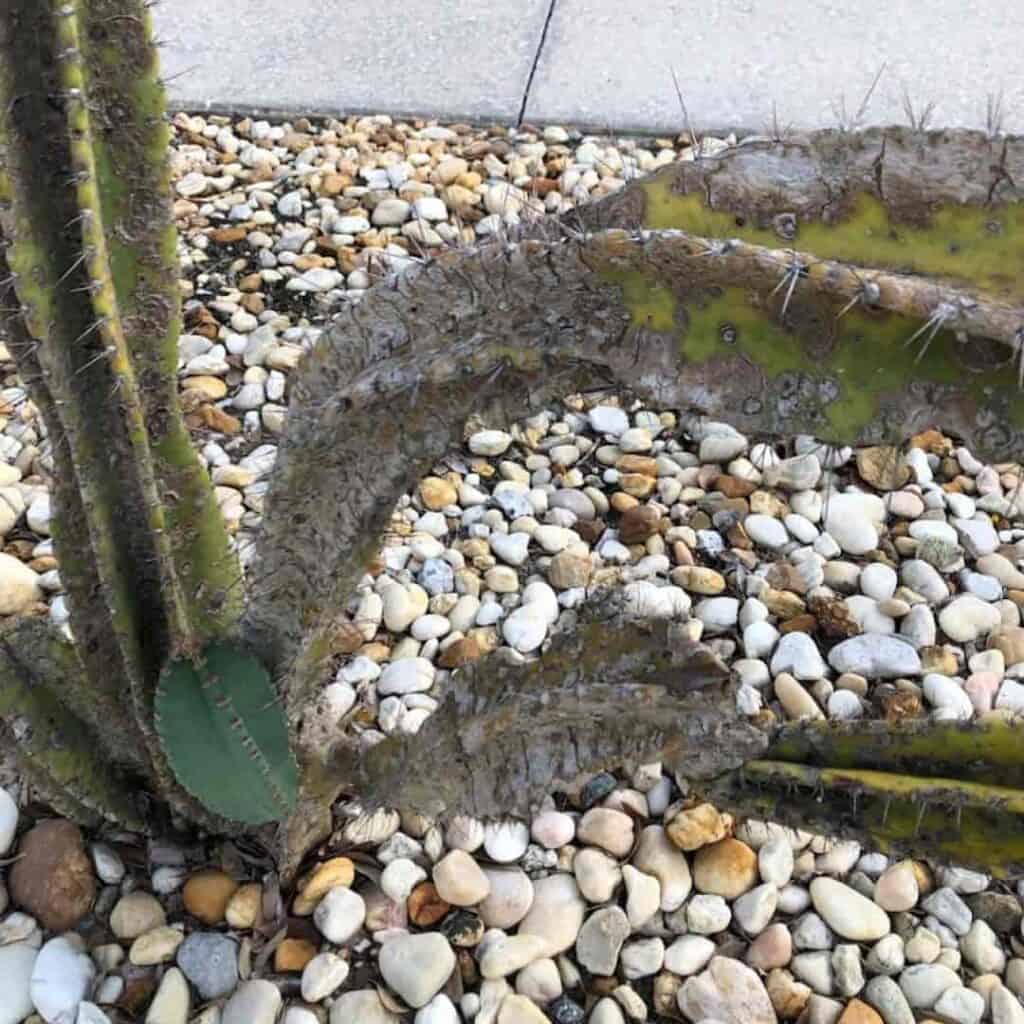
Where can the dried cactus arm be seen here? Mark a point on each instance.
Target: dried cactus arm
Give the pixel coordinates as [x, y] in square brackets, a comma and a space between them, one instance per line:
[383, 393]
[607, 693]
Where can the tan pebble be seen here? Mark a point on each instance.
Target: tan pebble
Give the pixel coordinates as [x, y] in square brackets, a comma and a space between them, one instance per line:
[206, 894]
[156, 947]
[437, 493]
[324, 877]
[699, 579]
[136, 913]
[896, 888]
[788, 996]
[696, 827]
[795, 700]
[609, 829]
[857, 1012]
[637, 485]
[620, 501]
[727, 868]
[459, 880]
[208, 389]
[243, 909]
[293, 955]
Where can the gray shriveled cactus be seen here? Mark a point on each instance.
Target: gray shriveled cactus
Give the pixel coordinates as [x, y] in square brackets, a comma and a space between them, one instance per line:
[857, 286]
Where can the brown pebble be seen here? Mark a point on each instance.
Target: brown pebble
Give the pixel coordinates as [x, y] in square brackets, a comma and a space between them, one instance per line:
[207, 893]
[900, 705]
[424, 905]
[639, 523]
[293, 954]
[462, 652]
[799, 624]
[734, 486]
[642, 464]
[53, 878]
[227, 236]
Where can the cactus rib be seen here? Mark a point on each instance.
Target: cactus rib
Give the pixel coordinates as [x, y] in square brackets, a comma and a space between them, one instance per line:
[92, 248]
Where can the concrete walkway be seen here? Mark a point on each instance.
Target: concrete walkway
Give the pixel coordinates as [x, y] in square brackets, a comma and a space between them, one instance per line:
[598, 63]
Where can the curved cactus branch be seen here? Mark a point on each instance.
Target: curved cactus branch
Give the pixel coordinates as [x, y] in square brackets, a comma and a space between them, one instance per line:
[385, 392]
[861, 327]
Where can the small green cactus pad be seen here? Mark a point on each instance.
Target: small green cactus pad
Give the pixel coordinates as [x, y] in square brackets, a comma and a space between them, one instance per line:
[225, 735]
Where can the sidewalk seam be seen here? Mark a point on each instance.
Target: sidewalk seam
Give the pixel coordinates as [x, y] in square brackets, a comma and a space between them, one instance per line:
[536, 60]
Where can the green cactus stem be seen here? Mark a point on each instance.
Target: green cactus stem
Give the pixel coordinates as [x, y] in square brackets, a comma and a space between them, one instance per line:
[86, 222]
[224, 735]
[967, 823]
[59, 749]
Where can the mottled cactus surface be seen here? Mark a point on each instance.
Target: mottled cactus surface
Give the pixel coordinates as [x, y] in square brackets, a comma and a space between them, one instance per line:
[855, 286]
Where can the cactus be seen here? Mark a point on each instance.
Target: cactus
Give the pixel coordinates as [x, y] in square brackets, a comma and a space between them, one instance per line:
[89, 243]
[850, 285]
[684, 313]
[58, 750]
[217, 717]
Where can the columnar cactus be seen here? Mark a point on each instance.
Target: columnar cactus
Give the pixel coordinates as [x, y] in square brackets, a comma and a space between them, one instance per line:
[90, 249]
[857, 286]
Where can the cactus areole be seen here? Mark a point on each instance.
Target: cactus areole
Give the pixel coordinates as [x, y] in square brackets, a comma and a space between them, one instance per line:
[857, 286]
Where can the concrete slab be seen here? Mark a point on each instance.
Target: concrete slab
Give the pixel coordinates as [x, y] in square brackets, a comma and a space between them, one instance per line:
[606, 62]
[462, 59]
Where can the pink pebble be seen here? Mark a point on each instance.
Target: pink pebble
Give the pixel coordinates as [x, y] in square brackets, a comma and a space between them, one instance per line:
[553, 829]
[982, 688]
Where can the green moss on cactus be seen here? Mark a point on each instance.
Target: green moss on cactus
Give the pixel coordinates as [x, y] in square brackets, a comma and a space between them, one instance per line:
[977, 244]
[225, 735]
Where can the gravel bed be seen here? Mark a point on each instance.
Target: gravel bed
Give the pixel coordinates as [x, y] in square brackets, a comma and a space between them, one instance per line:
[839, 584]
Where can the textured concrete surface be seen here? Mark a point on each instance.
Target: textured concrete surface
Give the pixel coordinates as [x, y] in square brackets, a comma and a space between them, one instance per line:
[605, 61]
[594, 63]
[459, 58]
